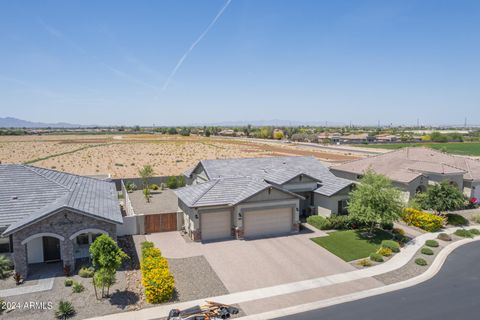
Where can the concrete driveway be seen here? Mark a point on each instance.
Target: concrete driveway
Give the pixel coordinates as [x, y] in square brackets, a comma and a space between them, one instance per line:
[244, 265]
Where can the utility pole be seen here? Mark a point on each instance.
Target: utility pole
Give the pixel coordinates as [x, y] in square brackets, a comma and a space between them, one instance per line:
[465, 124]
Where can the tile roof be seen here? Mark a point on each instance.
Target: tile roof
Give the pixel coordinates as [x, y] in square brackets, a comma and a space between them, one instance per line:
[276, 170]
[28, 194]
[406, 164]
[226, 191]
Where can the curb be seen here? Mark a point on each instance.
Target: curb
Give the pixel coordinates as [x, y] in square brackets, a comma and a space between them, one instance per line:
[428, 274]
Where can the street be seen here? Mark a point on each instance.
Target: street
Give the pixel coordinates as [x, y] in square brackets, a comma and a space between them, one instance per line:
[452, 294]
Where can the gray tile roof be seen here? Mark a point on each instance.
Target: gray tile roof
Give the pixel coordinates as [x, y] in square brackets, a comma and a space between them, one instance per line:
[277, 170]
[226, 191]
[28, 194]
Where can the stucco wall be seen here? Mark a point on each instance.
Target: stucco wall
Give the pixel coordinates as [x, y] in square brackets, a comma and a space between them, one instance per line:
[326, 206]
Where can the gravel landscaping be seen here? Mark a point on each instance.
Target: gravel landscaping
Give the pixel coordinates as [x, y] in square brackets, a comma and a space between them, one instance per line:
[411, 269]
[195, 279]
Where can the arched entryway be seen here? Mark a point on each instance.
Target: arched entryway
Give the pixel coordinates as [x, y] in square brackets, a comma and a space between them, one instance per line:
[421, 188]
[43, 247]
[82, 240]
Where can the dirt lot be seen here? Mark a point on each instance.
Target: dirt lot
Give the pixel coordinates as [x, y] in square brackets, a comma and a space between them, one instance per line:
[122, 155]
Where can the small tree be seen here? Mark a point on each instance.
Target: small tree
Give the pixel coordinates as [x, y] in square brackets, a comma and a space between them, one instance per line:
[375, 201]
[172, 182]
[107, 258]
[146, 173]
[443, 197]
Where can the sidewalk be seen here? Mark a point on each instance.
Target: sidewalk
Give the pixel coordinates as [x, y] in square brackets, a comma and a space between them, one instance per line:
[396, 262]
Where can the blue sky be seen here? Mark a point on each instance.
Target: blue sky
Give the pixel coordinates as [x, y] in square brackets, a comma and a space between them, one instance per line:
[113, 62]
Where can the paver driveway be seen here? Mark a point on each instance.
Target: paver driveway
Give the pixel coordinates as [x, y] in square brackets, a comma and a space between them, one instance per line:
[244, 265]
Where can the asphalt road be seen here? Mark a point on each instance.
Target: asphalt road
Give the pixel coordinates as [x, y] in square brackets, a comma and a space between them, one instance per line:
[454, 293]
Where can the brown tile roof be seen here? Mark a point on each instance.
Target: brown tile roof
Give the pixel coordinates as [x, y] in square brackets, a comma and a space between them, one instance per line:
[406, 164]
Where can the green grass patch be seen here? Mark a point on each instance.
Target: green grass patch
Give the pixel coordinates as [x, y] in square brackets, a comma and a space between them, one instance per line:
[351, 245]
[463, 148]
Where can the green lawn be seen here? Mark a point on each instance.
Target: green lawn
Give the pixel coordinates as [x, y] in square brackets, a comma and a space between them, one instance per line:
[463, 148]
[350, 245]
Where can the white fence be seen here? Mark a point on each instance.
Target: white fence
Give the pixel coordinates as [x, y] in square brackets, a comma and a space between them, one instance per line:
[128, 204]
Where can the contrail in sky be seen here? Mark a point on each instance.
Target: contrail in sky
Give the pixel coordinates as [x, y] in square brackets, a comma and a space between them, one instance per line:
[194, 44]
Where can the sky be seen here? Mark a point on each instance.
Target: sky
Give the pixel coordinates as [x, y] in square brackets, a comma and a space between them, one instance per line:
[186, 62]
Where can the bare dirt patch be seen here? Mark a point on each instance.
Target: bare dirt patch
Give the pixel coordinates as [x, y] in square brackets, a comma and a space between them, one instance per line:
[123, 155]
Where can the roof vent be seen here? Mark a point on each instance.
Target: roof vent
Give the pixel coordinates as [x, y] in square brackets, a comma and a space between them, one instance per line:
[14, 198]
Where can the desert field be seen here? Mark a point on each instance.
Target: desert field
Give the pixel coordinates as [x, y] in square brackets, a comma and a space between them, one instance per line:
[122, 155]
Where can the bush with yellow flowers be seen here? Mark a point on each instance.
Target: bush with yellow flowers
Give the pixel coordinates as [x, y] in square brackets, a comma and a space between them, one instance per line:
[157, 279]
[423, 220]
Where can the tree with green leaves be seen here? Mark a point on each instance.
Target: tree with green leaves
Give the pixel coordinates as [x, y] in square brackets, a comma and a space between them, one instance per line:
[146, 173]
[443, 197]
[375, 201]
[107, 258]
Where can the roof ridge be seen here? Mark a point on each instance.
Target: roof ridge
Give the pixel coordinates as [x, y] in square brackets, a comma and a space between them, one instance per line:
[44, 176]
[215, 182]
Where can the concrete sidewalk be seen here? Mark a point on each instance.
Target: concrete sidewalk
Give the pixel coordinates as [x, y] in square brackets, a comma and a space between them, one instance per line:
[396, 262]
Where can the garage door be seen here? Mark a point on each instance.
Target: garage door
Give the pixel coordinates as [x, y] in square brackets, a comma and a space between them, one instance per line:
[267, 222]
[216, 225]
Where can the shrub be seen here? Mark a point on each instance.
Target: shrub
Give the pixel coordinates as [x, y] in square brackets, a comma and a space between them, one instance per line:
[444, 237]
[431, 243]
[426, 221]
[319, 222]
[68, 282]
[86, 272]
[387, 226]
[463, 233]
[398, 231]
[476, 218]
[456, 220]
[146, 244]
[392, 245]
[386, 252]
[5, 266]
[77, 287]
[364, 263]
[65, 310]
[475, 232]
[376, 257]
[154, 186]
[172, 182]
[156, 277]
[421, 262]
[427, 251]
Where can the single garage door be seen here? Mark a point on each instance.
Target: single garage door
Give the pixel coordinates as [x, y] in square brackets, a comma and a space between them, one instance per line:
[216, 225]
[268, 222]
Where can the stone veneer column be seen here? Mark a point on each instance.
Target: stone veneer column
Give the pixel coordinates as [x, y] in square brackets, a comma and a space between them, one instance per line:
[20, 257]
[66, 249]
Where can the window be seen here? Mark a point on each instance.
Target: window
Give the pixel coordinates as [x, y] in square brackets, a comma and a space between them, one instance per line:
[342, 207]
[82, 239]
[4, 245]
[95, 236]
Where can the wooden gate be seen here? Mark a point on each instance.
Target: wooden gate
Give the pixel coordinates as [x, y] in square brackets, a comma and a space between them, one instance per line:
[161, 222]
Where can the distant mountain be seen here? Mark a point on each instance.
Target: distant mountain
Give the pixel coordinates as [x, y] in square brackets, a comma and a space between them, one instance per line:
[9, 122]
[273, 122]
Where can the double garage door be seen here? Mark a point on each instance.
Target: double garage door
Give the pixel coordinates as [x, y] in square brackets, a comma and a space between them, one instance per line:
[256, 223]
[267, 222]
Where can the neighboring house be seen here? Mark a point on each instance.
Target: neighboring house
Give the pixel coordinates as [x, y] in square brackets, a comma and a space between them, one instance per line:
[412, 169]
[48, 216]
[253, 197]
[357, 138]
[386, 138]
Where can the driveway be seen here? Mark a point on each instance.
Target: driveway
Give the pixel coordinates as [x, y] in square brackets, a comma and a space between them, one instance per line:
[244, 265]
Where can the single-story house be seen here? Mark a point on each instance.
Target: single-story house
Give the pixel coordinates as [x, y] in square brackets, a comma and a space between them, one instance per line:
[48, 216]
[251, 197]
[413, 169]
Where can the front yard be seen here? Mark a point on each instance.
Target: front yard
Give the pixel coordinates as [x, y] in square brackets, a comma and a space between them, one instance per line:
[350, 245]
